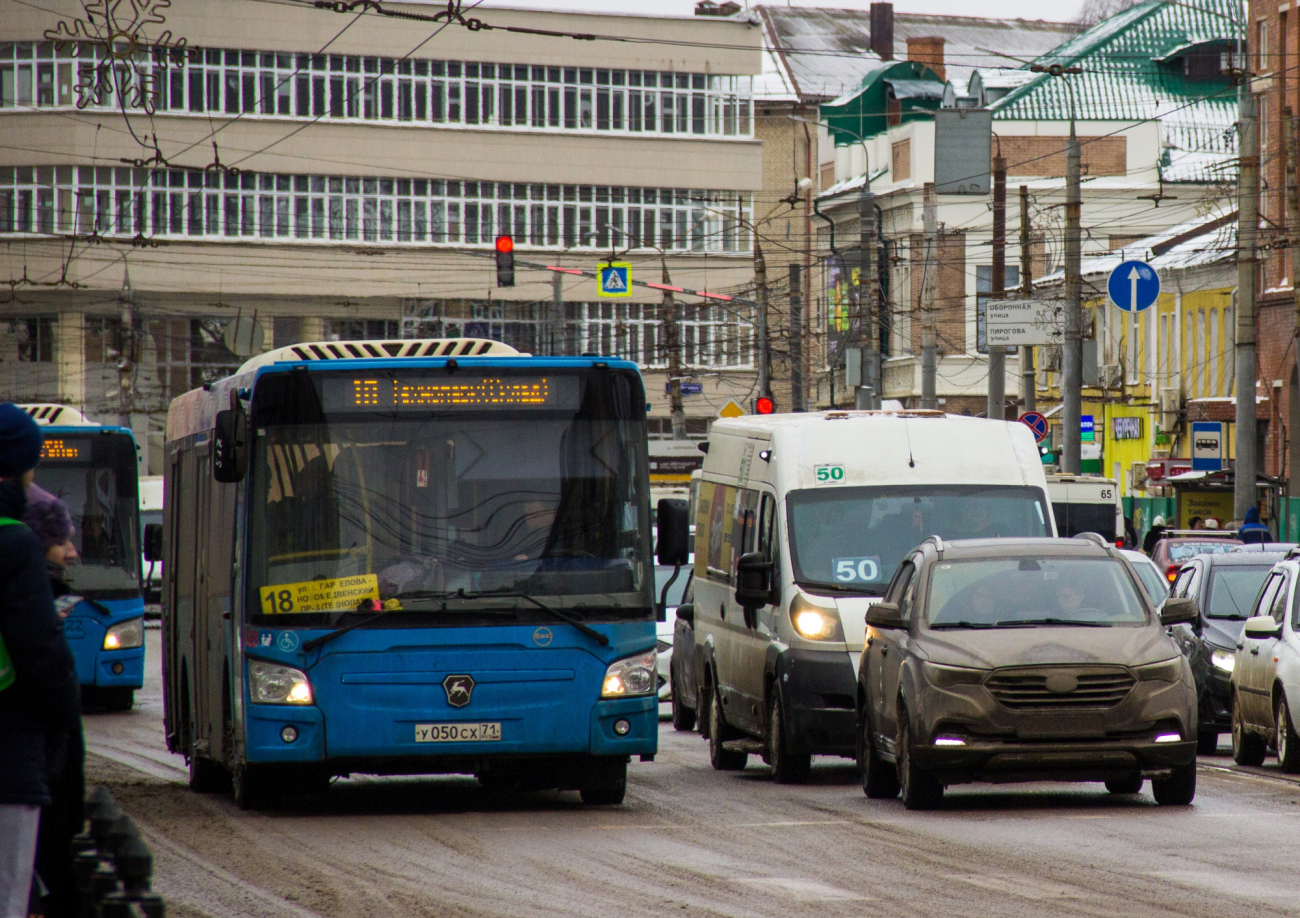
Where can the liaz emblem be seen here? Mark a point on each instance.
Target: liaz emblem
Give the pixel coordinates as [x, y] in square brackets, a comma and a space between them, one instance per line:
[458, 689]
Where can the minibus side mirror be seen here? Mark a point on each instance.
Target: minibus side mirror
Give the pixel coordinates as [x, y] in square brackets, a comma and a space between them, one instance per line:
[674, 532]
[753, 580]
[230, 446]
[686, 612]
[153, 542]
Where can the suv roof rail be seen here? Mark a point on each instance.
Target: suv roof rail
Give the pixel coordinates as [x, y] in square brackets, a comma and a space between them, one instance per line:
[1092, 537]
[938, 543]
[1292, 553]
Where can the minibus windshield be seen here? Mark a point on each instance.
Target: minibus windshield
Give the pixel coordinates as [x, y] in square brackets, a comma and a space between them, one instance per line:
[355, 497]
[95, 475]
[855, 538]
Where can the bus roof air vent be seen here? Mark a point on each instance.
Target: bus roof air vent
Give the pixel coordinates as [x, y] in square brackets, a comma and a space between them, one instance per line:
[47, 415]
[382, 350]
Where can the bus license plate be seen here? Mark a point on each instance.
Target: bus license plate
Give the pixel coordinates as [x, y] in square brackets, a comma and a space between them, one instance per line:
[457, 733]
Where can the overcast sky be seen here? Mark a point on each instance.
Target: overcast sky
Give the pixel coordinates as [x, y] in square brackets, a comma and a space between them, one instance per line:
[1063, 11]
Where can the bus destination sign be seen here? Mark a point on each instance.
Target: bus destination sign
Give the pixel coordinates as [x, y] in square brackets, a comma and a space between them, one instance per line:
[58, 448]
[443, 392]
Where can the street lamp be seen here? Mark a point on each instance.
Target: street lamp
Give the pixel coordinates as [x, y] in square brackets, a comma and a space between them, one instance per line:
[867, 396]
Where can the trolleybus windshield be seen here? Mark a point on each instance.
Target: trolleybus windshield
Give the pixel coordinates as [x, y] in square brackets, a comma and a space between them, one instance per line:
[408, 486]
[95, 475]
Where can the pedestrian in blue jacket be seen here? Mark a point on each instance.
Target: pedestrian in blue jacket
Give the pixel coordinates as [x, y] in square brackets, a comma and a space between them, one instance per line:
[39, 708]
[1252, 531]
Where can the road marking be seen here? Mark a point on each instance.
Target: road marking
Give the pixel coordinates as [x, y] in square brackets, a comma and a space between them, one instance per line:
[1020, 886]
[807, 890]
[146, 764]
[740, 825]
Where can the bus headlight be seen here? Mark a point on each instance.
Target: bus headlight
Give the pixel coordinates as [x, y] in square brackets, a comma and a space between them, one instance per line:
[631, 676]
[814, 622]
[269, 683]
[125, 635]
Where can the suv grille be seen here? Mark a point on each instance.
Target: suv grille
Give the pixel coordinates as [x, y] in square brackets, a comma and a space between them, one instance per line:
[1024, 689]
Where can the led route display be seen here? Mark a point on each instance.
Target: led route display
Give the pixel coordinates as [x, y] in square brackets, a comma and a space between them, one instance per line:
[412, 392]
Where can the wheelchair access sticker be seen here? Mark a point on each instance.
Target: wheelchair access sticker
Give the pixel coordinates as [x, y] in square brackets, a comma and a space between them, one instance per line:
[336, 595]
[856, 570]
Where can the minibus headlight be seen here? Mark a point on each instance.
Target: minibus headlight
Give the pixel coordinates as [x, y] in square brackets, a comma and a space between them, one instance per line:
[269, 683]
[631, 676]
[815, 623]
[125, 635]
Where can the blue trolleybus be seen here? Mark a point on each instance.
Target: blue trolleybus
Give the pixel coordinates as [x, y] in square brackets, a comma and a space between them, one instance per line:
[410, 557]
[93, 469]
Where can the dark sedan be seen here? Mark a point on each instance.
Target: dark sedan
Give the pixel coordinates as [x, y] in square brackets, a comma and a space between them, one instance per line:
[1223, 586]
[1023, 660]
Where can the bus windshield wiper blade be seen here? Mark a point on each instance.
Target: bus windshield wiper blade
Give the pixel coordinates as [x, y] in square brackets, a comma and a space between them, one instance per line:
[315, 642]
[815, 585]
[512, 594]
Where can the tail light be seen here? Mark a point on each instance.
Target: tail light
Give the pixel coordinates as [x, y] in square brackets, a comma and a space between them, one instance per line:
[1171, 573]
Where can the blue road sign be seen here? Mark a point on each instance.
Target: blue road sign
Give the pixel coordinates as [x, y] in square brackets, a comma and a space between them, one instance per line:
[1207, 446]
[1087, 428]
[1036, 423]
[688, 388]
[615, 279]
[1133, 286]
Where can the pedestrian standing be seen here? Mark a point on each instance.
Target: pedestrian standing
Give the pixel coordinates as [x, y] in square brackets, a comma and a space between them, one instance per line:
[1154, 534]
[51, 523]
[38, 695]
[1252, 531]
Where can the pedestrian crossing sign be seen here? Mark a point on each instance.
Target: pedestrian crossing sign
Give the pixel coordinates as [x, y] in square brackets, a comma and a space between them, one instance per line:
[615, 279]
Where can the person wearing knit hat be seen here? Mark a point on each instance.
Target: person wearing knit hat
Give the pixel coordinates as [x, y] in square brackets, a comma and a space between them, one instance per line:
[48, 518]
[39, 706]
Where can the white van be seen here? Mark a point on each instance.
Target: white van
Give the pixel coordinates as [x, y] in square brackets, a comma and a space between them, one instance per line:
[1082, 503]
[818, 510]
[151, 511]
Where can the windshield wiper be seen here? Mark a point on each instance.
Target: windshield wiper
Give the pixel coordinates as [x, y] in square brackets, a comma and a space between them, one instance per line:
[511, 594]
[1228, 618]
[842, 588]
[937, 626]
[1015, 622]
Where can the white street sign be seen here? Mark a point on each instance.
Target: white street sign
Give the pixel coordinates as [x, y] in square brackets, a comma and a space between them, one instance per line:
[1020, 323]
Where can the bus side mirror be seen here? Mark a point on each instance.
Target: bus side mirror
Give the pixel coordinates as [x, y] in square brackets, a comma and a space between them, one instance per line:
[674, 532]
[230, 446]
[153, 542]
[753, 580]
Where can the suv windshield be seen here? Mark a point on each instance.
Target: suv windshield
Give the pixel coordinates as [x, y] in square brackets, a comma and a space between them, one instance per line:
[1007, 592]
[354, 498]
[1233, 589]
[95, 475]
[854, 538]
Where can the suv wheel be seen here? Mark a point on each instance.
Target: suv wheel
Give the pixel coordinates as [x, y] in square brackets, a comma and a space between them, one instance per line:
[1207, 743]
[1130, 785]
[722, 759]
[919, 789]
[787, 767]
[879, 778]
[683, 717]
[1178, 789]
[1247, 748]
[1288, 743]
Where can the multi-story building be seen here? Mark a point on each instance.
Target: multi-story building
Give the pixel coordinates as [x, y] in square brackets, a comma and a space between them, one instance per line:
[241, 175]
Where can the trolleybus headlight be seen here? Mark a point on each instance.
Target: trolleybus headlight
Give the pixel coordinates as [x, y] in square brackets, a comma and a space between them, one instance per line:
[272, 684]
[125, 635]
[632, 676]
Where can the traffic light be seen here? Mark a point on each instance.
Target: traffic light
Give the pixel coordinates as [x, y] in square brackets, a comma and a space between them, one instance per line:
[505, 261]
[764, 404]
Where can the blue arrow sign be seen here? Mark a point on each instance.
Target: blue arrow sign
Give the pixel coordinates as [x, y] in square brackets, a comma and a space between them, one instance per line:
[1133, 286]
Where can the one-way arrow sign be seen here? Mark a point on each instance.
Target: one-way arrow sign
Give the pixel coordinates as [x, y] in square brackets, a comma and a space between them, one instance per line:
[1133, 286]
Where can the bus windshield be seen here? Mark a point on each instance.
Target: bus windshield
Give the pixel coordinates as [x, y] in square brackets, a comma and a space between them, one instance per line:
[854, 538]
[95, 475]
[414, 500]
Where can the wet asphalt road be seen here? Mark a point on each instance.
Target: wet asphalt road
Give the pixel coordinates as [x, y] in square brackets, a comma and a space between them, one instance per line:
[690, 841]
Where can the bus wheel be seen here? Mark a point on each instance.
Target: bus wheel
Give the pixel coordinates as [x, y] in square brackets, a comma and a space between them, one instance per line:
[606, 781]
[206, 776]
[254, 788]
[117, 698]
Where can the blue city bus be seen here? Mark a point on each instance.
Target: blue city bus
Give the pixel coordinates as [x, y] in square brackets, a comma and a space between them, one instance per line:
[410, 557]
[93, 468]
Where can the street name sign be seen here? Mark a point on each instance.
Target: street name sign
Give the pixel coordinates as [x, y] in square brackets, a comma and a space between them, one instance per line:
[1024, 323]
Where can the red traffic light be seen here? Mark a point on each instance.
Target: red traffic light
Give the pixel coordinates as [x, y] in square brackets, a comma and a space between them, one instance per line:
[764, 404]
[505, 244]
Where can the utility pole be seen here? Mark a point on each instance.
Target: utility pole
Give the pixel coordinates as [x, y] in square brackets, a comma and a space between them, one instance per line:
[1247, 227]
[796, 338]
[929, 321]
[1029, 382]
[1072, 352]
[672, 341]
[557, 314]
[764, 344]
[868, 394]
[998, 355]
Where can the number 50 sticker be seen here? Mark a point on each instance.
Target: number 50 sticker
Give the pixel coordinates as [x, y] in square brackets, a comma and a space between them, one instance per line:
[829, 474]
[856, 570]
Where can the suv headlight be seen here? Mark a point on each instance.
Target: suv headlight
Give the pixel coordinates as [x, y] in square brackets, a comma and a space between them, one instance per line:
[945, 676]
[125, 635]
[1170, 670]
[631, 676]
[815, 623]
[270, 683]
[1223, 659]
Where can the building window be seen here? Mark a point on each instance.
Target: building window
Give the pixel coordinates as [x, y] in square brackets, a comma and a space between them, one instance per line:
[901, 160]
[28, 340]
[307, 209]
[336, 87]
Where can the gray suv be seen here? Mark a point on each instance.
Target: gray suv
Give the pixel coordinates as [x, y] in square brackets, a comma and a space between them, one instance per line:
[1023, 660]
